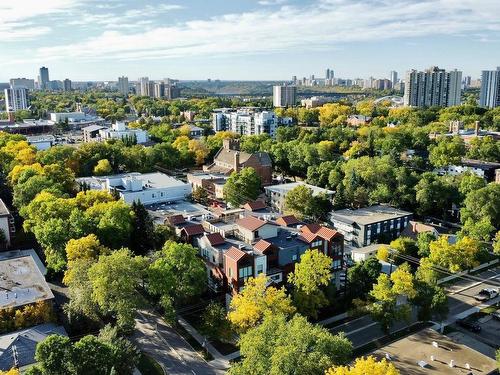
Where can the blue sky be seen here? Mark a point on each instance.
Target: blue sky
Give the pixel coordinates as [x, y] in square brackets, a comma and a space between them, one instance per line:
[245, 39]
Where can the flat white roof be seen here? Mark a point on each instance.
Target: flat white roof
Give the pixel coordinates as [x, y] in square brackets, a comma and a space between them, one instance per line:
[22, 283]
[155, 180]
[285, 188]
[368, 215]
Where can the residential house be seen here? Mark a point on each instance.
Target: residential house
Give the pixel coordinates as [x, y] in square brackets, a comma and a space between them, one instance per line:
[415, 228]
[230, 159]
[23, 343]
[484, 169]
[249, 246]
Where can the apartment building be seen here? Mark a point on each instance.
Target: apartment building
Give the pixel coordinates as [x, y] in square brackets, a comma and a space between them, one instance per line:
[248, 121]
[285, 96]
[364, 226]
[249, 246]
[433, 87]
[276, 194]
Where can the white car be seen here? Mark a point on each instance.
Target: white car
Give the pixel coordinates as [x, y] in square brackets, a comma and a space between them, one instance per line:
[486, 294]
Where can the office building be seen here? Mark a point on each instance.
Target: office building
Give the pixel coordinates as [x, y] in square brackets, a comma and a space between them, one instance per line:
[99, 133]
[123, 85]
[284, 96]
[329, 74]
[22, 83]
[364, 226]
[490, 88]
[16, 99]
[147, 188]
[394, 77]
[433, 87]
[43, 78]
[67, 85]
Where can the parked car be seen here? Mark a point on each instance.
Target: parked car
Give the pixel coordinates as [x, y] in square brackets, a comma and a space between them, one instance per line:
[486, 294]
[496, 314]
[471, 326]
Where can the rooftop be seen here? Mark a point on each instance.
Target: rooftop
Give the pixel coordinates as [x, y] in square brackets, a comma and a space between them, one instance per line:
[366, 249]
[154, 180]
[368, 215]
[412, 355]
[25, 342]
[21, 282]
[4, 211]
[285, 188]
[41, 138]
[250, 223]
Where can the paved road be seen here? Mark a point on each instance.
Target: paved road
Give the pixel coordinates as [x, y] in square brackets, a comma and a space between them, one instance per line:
[460, 299]
[461, 293]
[166, 346]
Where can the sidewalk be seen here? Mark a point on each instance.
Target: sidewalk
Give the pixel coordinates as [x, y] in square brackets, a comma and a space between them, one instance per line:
[220, 361]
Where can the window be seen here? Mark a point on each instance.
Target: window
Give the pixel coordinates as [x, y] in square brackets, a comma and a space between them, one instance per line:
[153, 196]
[245, 272]
[316, 243]
[260, 268]
[230, 272]
[337, 264]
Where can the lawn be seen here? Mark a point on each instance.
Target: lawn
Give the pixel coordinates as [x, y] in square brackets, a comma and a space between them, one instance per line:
[148, 366]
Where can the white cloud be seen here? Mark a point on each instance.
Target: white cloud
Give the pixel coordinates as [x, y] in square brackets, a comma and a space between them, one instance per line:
[14, 12]
[313, 27]
[271, 2]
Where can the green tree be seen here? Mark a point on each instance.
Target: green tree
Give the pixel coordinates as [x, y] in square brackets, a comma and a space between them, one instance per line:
[92, 357]
[176, 274]
[435, 194]
[301, 202]
[215, 322]
[484, 148]
[142, 236]
[242, 187]
[424, 240]
[362, 276]
[481, 212]
[278, 347]
[54, 355]
[200, 195]
[447, 151]
[311, 274]
[115, 279]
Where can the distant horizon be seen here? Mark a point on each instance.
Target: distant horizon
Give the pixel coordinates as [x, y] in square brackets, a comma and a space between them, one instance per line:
[256, 40]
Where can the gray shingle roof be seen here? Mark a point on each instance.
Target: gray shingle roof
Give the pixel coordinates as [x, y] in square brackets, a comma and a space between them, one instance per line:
[24, 344]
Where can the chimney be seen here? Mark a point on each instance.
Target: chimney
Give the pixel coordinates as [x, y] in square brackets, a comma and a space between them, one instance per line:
[476, 128]
[236, 166]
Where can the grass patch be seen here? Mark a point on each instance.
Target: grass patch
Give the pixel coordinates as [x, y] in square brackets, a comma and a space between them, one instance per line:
[191, 340]
[491, 309]
[148, 366]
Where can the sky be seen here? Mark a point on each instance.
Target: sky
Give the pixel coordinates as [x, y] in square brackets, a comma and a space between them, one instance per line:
[245, 39]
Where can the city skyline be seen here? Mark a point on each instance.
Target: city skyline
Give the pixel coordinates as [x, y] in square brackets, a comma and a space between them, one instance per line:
[192, 40]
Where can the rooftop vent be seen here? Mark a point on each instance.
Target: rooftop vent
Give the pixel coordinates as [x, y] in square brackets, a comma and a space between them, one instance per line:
[422, 364]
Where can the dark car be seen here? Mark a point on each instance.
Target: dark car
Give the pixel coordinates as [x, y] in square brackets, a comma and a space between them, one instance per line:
[471, 326]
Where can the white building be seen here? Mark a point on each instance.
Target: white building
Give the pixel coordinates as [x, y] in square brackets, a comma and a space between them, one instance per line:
[284, 96]
[16, 99]
[275, 194]
[148, 188]
[248, 121]
[41, 142]
[490, 88]
[433, 87]
[70, 116]
[6, 223]
[120, 131]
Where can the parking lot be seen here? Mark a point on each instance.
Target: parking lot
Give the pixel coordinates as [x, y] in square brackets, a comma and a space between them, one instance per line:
[489, 325]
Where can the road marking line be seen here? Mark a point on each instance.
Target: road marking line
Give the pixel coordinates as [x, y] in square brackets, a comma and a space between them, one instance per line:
[474, 285]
